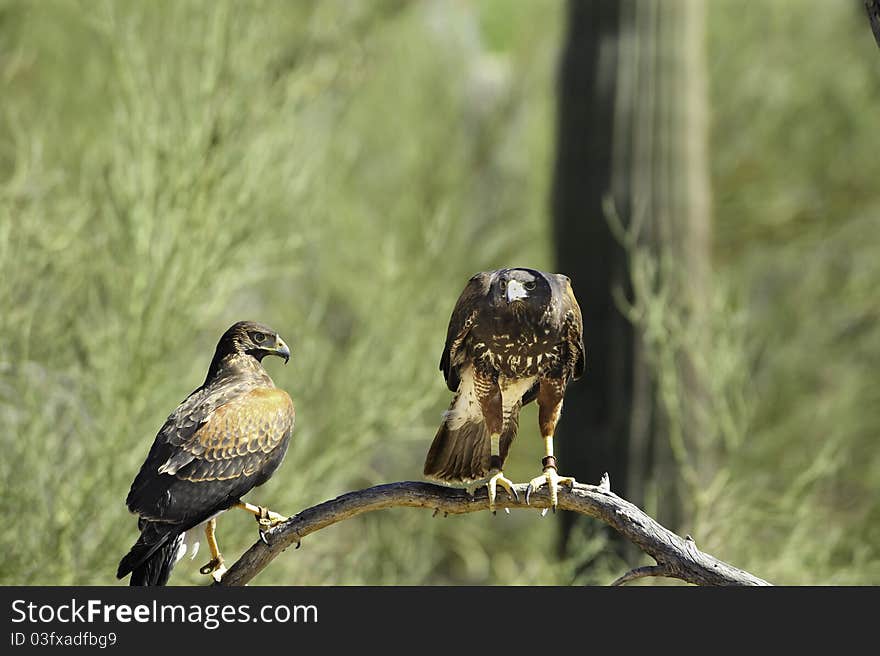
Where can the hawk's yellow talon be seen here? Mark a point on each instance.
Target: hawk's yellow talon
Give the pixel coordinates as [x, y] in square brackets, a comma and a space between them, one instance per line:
[218, 573]
[266, 518]
[214, 566]
[492, 484]
[552, 480]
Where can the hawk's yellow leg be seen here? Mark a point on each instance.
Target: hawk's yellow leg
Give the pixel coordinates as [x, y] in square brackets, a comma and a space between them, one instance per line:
[550, 477]
[215, 568]
[265, 517]
[497, 477]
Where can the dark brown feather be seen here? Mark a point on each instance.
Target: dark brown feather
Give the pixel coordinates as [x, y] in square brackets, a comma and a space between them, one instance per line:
[574, 329]
[463, 315]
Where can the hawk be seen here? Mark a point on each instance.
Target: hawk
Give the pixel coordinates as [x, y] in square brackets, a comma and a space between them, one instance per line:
[225, 438]
[515, 335]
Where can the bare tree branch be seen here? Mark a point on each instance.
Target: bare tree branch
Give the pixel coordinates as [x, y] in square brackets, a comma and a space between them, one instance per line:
[873, 7]
[676, 557]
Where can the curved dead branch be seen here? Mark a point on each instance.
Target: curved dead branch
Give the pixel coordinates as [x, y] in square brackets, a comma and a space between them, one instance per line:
[676, 557]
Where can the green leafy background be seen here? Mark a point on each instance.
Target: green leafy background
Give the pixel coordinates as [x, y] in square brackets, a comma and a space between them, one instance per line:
[338, 170]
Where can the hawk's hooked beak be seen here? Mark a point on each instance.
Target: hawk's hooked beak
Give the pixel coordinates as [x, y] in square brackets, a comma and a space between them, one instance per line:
[282, 350]
[515, 291]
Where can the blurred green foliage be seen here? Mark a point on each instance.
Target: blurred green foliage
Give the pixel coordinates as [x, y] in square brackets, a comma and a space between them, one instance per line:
[796, 93]
[338, 170]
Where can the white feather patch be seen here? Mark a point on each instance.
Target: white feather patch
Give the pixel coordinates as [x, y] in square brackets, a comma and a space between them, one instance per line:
[181, 551]
[190, 543]
[512, 391]
[467, 407]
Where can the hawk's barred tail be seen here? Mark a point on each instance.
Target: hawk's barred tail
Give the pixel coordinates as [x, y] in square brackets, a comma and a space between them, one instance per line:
[460, 454]
[151, 558]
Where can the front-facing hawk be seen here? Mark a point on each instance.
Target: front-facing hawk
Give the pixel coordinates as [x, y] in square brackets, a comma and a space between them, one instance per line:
[515, 335]
[225, 438]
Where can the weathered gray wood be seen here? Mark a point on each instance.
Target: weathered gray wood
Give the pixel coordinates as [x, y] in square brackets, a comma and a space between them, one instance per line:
[676, 557]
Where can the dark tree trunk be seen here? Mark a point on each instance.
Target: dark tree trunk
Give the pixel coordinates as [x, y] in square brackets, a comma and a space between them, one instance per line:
[631, 130]
[593, 435]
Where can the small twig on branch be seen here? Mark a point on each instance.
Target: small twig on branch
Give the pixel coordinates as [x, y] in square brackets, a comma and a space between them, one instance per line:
[641, 572]
[676, 557]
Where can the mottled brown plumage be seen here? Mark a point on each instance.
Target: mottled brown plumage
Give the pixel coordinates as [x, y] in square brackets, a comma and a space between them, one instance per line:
[515, 335]
[227, 437]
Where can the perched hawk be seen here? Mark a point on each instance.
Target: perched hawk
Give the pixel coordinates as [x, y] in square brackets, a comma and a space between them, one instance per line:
[515, 335]
[227, 437]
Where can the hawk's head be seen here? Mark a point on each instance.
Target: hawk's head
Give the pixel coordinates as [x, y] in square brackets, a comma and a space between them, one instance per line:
[254, 339]
[521, 290]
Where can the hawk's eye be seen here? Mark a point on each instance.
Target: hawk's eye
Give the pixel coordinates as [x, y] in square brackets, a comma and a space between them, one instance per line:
[259, 338]
[530, 285]
[503, 285]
